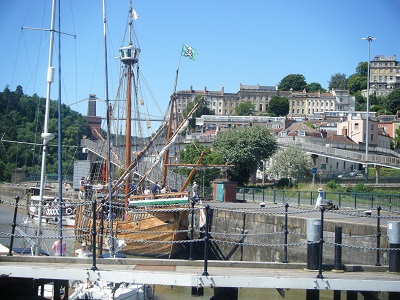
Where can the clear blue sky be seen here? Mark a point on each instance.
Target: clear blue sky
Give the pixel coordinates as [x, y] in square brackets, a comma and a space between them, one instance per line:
[248, 42]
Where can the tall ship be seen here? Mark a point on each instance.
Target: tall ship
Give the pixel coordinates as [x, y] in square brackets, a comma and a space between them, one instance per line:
[116, 203]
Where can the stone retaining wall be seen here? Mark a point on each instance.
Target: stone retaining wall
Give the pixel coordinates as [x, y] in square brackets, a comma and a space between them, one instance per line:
[226, 223]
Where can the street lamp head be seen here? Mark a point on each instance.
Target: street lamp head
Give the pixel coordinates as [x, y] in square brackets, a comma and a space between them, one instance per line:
[369, 38]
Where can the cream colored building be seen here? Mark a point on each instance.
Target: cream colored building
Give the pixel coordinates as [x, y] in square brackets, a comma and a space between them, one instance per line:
[384, 75]
[300, 103]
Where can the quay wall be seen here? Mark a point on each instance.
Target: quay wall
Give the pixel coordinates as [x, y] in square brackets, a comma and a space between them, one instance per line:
[246, 236]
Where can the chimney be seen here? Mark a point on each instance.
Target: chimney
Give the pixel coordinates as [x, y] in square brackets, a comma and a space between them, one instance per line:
[344, 131]
[92, 105]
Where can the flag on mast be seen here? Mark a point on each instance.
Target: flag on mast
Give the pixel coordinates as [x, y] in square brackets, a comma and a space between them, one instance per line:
[135, 14]
[189, 52]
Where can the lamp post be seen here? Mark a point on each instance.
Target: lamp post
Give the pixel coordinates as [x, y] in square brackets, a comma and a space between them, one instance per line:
[369, 39]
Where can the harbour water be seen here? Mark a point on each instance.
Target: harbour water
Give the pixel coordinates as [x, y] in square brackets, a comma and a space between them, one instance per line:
[161, 292]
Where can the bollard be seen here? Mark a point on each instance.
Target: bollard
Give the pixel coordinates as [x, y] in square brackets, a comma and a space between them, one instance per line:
[393, 233]
[313, 245]
[338, 249]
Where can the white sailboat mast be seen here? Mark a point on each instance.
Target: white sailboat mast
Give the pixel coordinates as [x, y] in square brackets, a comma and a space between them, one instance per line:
[46, 136]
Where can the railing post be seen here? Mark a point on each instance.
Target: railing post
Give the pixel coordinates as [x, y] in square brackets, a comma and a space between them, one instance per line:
[13, 226]
[355, 200]
[285, 260]
[378, 235]
[340, 199]
[206, 240]
[338, 249]
[244, 194]
[311, 199]
[94, 233]
[263, 199]
[274, 196]
[298, 198]
[101, 227]
[321, 243]
[372, 200]
[191, 232]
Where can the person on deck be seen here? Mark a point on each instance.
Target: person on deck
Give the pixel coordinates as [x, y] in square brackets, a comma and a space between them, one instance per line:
[83, 252]
[82, 183]
[195, 190]
[147, 191]
[58, 249]
[155, 188]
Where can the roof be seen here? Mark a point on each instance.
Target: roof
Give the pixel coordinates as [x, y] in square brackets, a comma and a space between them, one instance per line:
[339, 139]
[297, 127]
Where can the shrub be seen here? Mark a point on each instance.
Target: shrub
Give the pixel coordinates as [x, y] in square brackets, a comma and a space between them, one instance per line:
[332, 185]
[361, 187]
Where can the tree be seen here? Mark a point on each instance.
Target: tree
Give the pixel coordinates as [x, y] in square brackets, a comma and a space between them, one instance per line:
[278, 106]
[245, 109]
[244, 147]
[338, 82]
[362, 69]
[314, 87]
[290, 162]
[392, 101]
[191, 154]
[296, 82]
[201, 110]
[356, 82]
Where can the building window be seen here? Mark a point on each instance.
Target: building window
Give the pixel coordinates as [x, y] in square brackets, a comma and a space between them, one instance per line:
[356, 126]
[372, 137]
[326, 159]
[260, 107]
[337, 165]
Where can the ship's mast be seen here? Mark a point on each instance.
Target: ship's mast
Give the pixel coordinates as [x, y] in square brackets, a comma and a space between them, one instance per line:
[129, 56]
[46, 136]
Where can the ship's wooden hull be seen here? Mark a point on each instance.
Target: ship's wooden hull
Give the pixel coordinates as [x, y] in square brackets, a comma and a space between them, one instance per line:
[155, 231]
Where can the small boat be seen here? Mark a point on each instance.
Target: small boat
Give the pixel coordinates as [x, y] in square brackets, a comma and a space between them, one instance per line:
[50, 208]
[112, 291]
[103, 290]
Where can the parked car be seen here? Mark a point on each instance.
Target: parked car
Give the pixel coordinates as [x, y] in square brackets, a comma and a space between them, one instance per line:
[343, 175]
[355, 173]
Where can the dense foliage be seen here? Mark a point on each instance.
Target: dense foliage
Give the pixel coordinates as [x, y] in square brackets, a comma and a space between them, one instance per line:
[290, 163]
[295, 82]
[191, 154]
[22, 119]
[202, 109]
[245, 109]
[245, 147]
[278, 106]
